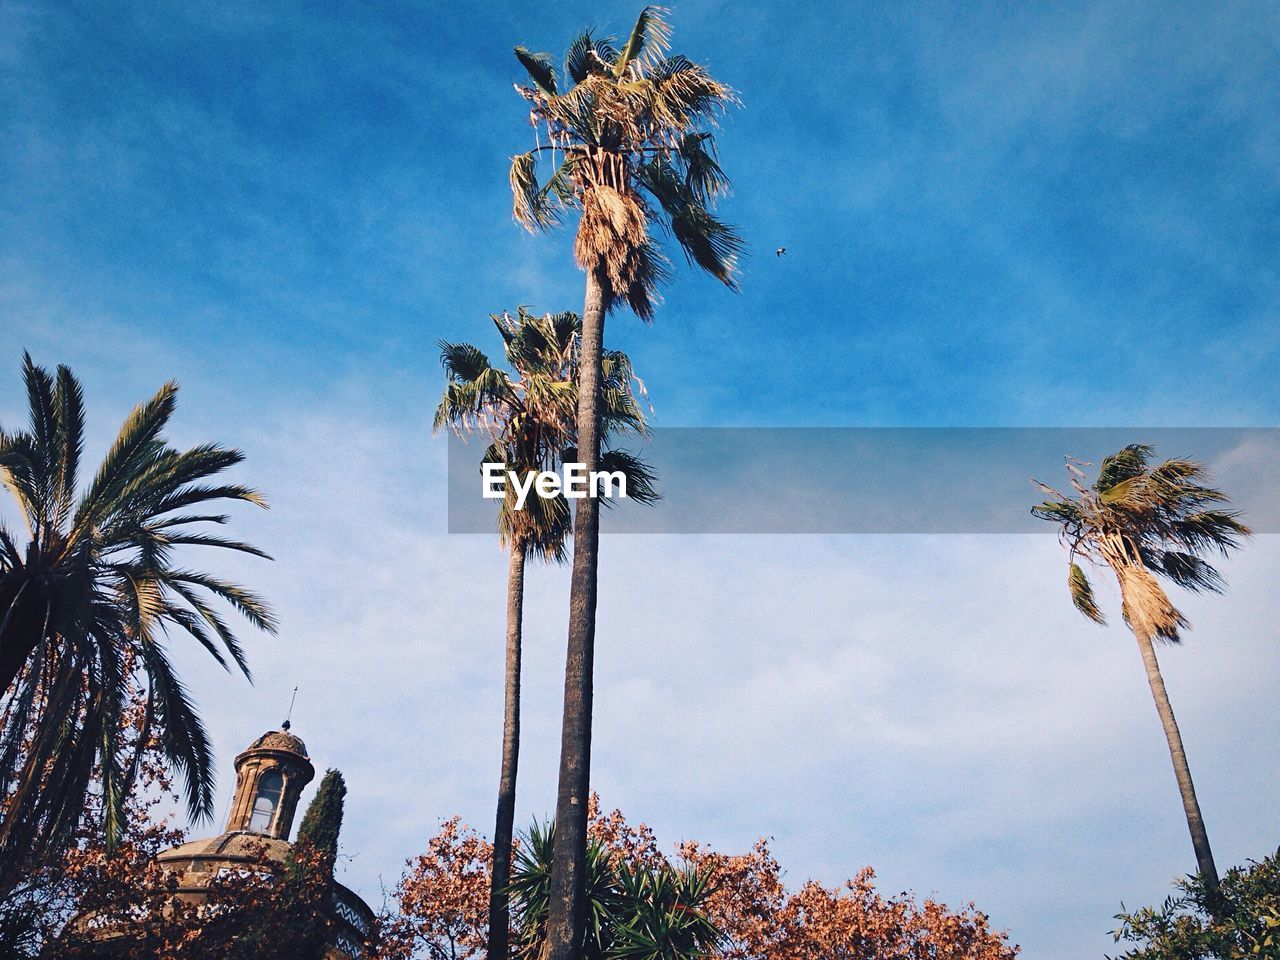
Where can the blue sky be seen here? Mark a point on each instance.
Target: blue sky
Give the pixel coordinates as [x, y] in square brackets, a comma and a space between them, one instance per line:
[1048, 215]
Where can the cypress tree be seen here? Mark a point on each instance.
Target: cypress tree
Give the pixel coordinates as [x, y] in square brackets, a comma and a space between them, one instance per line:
[301, 926]
[322, 822]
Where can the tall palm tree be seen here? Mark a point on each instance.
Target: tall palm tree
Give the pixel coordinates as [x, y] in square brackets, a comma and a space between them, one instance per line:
[86, 606]
[629, 148]
[1146, 522]
[530, 418]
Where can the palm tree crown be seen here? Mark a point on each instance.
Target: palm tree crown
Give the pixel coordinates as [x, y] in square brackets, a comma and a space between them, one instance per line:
[530, 416]
[88, 603]
[1140, 521]
[628, 152]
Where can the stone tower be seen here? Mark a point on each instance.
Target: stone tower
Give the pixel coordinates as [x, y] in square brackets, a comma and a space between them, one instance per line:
[270, 776]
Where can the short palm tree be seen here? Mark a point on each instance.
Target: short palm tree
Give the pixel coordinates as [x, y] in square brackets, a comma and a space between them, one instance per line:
[86, 607]
[1145, 522]
[530, 420]
[626, 133]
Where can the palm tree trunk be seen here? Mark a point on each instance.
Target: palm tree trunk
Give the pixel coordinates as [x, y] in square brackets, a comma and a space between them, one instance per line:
[1190, 805]
[566, 911]
[499, 898]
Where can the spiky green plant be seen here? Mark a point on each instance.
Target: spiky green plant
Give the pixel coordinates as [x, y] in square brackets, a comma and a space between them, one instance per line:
[627, 133]
[531, 891]
[529, 415]
[1148, 523]
[634, 911]
[666, 914]
[88, 603]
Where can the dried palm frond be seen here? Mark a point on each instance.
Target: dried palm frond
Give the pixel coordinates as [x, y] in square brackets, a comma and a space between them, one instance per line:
[1145, 606]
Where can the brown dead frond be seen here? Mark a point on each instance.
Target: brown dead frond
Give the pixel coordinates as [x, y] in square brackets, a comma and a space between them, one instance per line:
[613, 227]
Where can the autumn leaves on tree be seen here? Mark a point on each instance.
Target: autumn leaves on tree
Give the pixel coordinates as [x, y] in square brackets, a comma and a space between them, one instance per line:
[694, 902]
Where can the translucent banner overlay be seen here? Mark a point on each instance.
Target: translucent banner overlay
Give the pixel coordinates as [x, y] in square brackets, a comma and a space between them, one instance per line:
[883, 479]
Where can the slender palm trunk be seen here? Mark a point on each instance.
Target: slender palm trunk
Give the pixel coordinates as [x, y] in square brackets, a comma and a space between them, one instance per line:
[566, 911]
[500, 880]
[1195, 823]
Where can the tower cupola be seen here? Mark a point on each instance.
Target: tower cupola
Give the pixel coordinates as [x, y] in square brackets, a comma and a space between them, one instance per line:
[270, 775]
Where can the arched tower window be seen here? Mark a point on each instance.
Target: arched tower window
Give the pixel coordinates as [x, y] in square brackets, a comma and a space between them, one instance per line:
[270, 785]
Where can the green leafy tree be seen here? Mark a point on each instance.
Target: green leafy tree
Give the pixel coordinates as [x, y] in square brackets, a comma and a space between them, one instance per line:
[1239, 920]
[529, 414]
[626, 135]
[1149, 523]
[88, 603]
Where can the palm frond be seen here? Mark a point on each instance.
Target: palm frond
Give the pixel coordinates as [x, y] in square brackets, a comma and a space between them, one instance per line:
[69, 415]
[1082, 594]
[709, 243]
[211, 540]
[650, 35]
[1060, 511]
[247, 603]
[182, 733]
[214, 622]
[136, 441]
[642, 480]
[539, 68]
[1124, 465]
[577, 58]
[196, 493]
[1220, 530]
[530, 205]
[649, 270]
[44, 435]
[703, 176]
[462, 362]
[686, 94]
[1187, 570]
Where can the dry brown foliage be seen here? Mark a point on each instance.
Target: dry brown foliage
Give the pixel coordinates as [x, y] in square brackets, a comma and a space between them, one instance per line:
[443, 902]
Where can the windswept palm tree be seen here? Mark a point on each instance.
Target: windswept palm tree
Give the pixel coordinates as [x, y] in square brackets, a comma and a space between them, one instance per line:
[87, 604]
[1146, 522]
[625, 132]
[530, 418]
